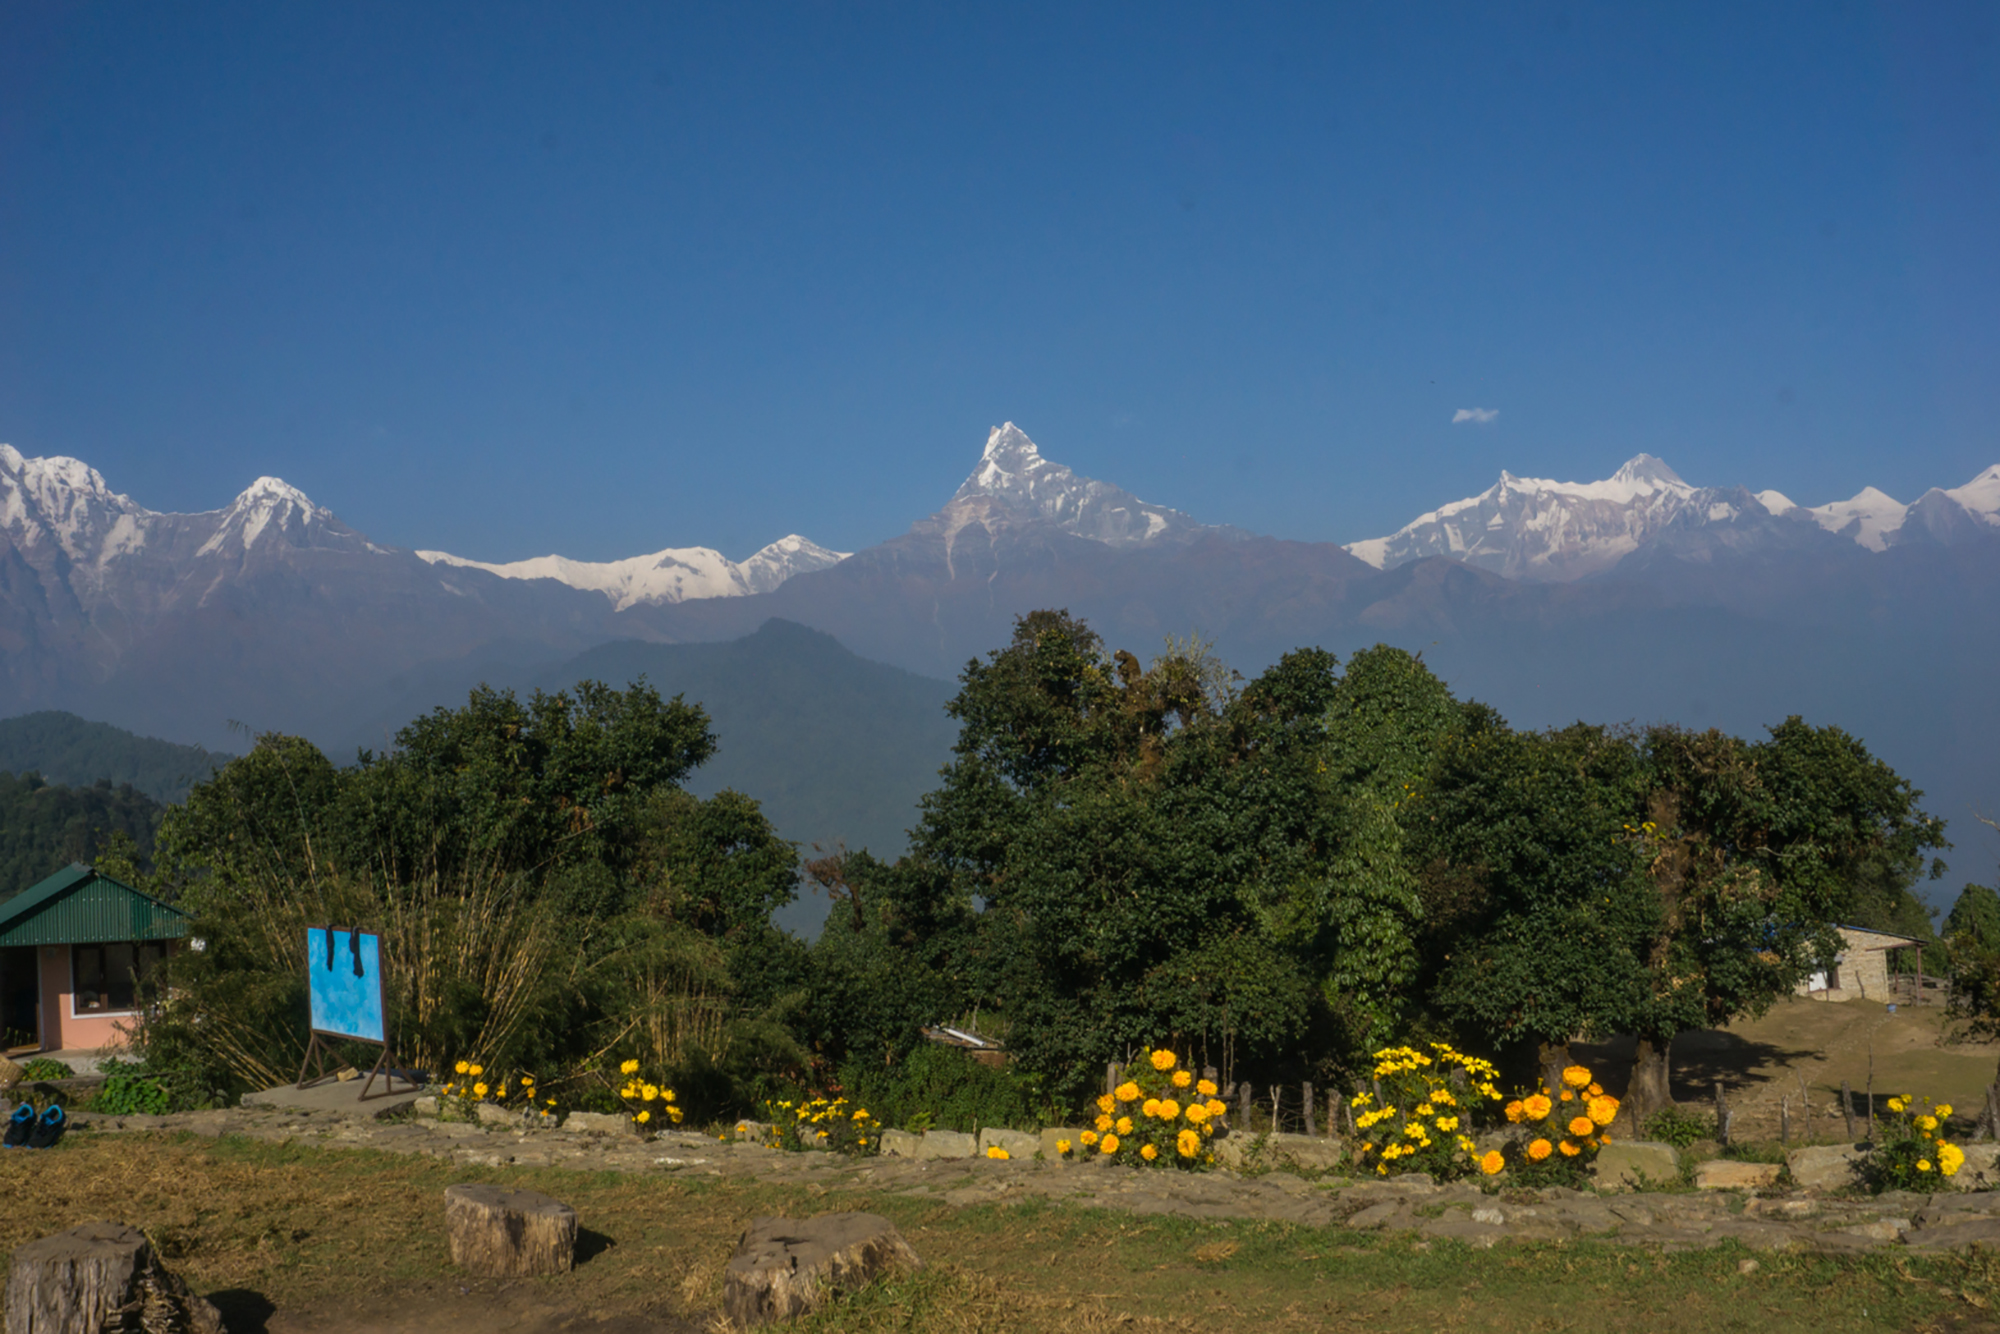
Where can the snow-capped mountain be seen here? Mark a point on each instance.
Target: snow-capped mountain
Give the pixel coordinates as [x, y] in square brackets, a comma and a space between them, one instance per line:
[1549, 531]
[1014, 483]
[673, 575]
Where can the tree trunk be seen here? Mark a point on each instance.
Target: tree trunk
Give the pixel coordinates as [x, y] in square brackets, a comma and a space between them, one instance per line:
[1552, 1058]
[100, 1277]
[787, 1267]
[499, 1233]
[1650, 1089]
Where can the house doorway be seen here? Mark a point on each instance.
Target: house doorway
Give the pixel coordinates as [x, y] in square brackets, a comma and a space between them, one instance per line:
[20, 999]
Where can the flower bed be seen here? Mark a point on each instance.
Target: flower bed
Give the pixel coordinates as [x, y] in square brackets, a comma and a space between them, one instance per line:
[1162, 1116]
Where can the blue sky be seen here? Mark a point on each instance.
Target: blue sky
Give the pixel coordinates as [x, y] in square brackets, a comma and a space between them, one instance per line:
[507, 279]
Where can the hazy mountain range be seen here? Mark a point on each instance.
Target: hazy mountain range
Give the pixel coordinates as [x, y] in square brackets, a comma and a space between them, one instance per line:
[1639, 596]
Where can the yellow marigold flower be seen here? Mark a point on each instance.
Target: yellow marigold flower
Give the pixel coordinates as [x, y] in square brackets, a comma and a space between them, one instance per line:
[1148, 1152]
[998, 1154]
[1105, 1102]
[1424, 1109]
[1576, 1076]
[643, 1117]
[463, 1068]
[1950, 1159]
[1187, 1143]
[1603, 1109]
[476, 1071]
[1197, 1112]
[1581, 1126]
[1513, 1111]
[1569, 1150]
[1150, 1107]
[649, 1093]
[1466, 1145]
[1205, 1087]
[1127, 1092]
[1087, 1138]
[1182, 1078]
[1109, 1144]
[1535, 1106]
[1103, 1123]
[860, 1113]
[1447, 1123]
[1603, 1140]
[1923, 1164]
[1413, 1129]
[1540, 1149]
[1897, 1104]
[1927, 1122]
[1124, 1125]
[628, 1068]
[479, 1090]
[1216, 1107]
[1169, 1109]
[1595, 1090]
[1062, 1146]
[1163, 1059]
[1568, 1096]
[1943, 1110]
[1492, 1163]
[1443, 1097]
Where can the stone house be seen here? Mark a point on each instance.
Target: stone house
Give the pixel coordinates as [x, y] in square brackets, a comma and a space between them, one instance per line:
[1861, 969]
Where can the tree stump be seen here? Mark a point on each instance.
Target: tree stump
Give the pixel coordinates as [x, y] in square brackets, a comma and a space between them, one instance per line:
[499, 1233]
[100, 1277]
[785, 1267]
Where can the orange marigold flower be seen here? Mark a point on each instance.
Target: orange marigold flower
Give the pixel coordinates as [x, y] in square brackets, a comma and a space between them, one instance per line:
[1581, 1126]
[1492, 1163]
[1163, 1059]
[1540, 1149]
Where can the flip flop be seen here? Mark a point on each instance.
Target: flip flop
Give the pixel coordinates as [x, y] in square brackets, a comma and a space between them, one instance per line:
[18, 1126]
[48, 1128]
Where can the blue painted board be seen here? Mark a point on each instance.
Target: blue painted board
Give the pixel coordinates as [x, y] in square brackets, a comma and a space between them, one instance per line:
[346, 987]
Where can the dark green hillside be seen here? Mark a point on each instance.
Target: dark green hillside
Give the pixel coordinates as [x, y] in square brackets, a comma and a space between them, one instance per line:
[64, 748]
[45, 826]
[831, 744]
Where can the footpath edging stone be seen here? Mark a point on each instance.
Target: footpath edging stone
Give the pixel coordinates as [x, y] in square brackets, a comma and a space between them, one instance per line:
[951, 1173]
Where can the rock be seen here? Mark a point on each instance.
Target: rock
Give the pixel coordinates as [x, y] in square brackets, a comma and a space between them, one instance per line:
[596, 1123]
[1882, 1229]
[1981, 1232]
[1982, 1167]
[1631, 1164]
[1488, 1214]
[900, 1143]
[100, 1276]
[947, 1144]
[1728, 1174]
[498, 1233]
[1300, 1153]
[1377, 1215]
[1016, 1143]
[1054, 1136]
[492, 1114]
[1747, 1266]
[751, 1132]
[425, 1107]
[1827, 1166]
[785, 1268]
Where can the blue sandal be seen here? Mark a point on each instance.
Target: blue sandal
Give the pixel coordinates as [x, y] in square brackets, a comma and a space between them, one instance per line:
[49, 1127]
[18, 1127]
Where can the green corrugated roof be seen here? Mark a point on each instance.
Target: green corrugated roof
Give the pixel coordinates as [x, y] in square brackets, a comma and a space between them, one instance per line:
[80, 906]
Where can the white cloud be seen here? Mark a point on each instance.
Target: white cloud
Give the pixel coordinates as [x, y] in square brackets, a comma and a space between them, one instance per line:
[1480, 415]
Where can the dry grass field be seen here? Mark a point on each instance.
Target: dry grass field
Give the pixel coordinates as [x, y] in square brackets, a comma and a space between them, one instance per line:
[291, 1239]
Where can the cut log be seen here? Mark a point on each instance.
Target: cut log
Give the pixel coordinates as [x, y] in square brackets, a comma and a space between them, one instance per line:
[101, 1276]
[785, 1267]
[498, 1233]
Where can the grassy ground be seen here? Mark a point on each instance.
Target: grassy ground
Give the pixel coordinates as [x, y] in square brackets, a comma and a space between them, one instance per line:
[293, 1239]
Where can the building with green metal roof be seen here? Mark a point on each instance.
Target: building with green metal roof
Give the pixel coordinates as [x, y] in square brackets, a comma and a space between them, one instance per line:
[76, 952]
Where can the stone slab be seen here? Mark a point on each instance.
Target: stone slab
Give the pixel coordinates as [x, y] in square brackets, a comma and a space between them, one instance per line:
[1054, 1136]
[947, 1144]
[1629, 1164]
[343, 1096]
[900, 1143]
[1727, 1174]
[1300, 1153]
[1827, 1166]
[1014, 1143]
[596, 1123]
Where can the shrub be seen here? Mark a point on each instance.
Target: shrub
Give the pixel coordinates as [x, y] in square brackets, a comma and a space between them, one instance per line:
[43, 1067]
[944, 1088]
[475, 1085]
[1911, 1152]
[1426, 1114]
[1676, 1126]
[137, 1088]
[1561, 1131]
[1160, 1116]
[822, 1123]
[650, 1105]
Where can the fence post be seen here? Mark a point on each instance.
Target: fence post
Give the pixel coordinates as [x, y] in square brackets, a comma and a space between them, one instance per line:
[1721, 1114]
[1243, 1103]
[1847, 1107]
[1307, 1102]
[1110, 1075]
[1333, 1106]
[1277, 1094]
[1785, 1120]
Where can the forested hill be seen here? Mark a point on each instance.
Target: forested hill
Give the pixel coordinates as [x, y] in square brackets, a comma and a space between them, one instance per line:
[833, 746]
[64, 748]
[46, 826]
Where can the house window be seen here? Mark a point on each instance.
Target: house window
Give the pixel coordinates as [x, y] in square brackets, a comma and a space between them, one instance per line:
[111, 978]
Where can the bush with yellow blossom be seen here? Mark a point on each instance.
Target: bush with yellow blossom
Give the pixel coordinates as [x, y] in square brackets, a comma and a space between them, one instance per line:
[472, 1084]
[1424, 1118]
[1560, 1131]
[1911, 1152]
[822, 1123]
[651, 1106]
[1163, 1115]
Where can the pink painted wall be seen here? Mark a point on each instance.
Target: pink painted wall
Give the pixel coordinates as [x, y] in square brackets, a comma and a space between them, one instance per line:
[63, 1030]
